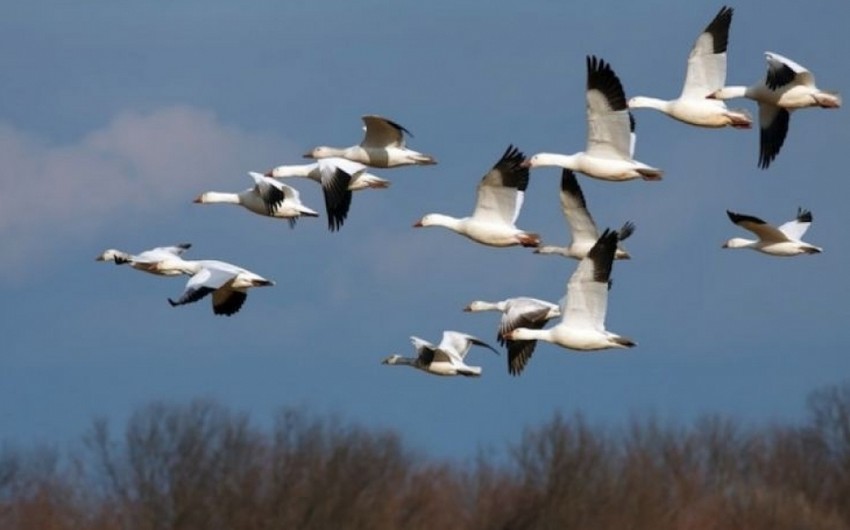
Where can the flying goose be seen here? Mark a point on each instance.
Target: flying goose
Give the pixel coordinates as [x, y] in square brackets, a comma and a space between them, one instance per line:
[786, 87]
[610, 133]
[500, 196]
[582, 227]
[520, 312]
[582, 325]
[706, 73]
[268, 197]
[338, 178]
[227, 283]
[382, 146]
[445, 359]
[162, 261]
[782, 241]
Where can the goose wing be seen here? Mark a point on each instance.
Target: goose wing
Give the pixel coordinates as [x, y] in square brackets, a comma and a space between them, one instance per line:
[766, 232]
[796, 228]
[207, 280]
[525, 313]
[335, 180]
[427, 353]
[381, 133]
[707, 60]
[587, 289]
[773, 124]
[270, 191]
[574, 207]
[458, 344]
[608, 121]
[501, 190]
[782, 71]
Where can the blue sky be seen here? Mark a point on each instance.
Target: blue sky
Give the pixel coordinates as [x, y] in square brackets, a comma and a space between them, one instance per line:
[114, 117]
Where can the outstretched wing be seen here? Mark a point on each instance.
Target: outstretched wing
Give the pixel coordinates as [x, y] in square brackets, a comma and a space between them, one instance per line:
[707, 60]
[501, 190]
[764, 231]
[608, 120]
[797, 228]
[782, 71]
[381, 132]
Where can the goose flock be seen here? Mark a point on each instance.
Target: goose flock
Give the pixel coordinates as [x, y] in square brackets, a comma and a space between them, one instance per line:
[609, 155]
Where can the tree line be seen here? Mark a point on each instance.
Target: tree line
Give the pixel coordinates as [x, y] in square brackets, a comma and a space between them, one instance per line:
[202, 466]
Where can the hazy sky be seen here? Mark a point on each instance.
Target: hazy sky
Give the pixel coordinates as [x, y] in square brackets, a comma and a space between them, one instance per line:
[114, 116]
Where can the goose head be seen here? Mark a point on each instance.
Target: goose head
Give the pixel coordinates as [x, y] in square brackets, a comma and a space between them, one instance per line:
[392, 359]
[109, 255]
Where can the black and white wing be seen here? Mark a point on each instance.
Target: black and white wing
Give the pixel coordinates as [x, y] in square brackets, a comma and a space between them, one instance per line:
[575, 211]
[782, 71]
[796, 228]
[764, 231]
[609, 124]
[457, 343]
[271, 191]
[587, 289]
[502, 189]
[707, 60]
[335, 180]
[381, 133]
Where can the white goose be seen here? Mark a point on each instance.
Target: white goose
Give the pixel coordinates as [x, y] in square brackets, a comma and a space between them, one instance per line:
[445, 359]
[706, 73]
[520, 312]
[582, 227]
[500, 197]
[582, 325]
[382, 146]
[162, 261]
[783, 241]
[268, 197]
[338, 178]
[610, 133]
[786, 87]
[227, 283]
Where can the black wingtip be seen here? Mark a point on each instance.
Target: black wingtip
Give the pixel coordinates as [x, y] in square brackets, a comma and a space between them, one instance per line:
[719, 29]
[601, 77]
[804, 216]
[173, 303]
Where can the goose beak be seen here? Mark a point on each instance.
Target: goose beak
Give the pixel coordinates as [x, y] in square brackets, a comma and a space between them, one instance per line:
[525, 163]
[198, 199]
[308, 155]
[467, 309]
[418, 224]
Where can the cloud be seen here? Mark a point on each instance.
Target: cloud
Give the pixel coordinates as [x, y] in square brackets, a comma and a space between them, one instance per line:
[139, 163]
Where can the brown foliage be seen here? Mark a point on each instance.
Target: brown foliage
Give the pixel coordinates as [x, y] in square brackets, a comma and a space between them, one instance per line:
[201, 466]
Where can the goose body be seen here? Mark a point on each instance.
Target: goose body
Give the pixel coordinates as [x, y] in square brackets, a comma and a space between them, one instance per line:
[499, 200]
[518, 312]
[338, 177]
[383, 145]
[787, 86]
[582, 228]
[582, 325]
[162, 261]
[445, 359]
[784, 240]
[706, 74]
[268, 197]
[227, 283]
[610, 133]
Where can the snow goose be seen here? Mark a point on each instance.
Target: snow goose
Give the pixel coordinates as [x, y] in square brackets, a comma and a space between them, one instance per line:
[227, 283]
[706, 73]
[338, 178]
[786, 87]
[162, 261]
[582, 227]
[382, 146]
[782, 241]
[582, 325]
[610, 133]
[445, 359]
[500, 196]
[268, 197]
[520, 312]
